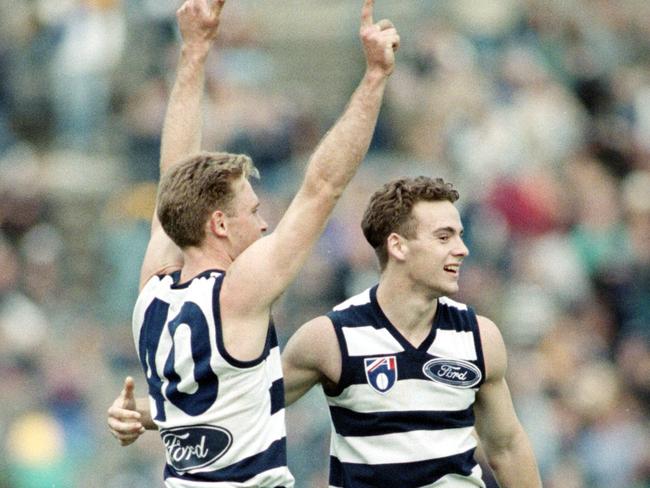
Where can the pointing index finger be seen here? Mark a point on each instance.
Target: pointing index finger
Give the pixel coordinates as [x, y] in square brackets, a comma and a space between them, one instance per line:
[366, 13]
[216, 7]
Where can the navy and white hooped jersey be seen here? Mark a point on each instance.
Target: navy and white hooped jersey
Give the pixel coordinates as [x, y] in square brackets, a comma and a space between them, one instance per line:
[221, 420]
[403, 415]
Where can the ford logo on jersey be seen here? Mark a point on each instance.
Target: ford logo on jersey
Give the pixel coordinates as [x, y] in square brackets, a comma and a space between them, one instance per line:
[381, 373]
[453, 372]
[195, 447]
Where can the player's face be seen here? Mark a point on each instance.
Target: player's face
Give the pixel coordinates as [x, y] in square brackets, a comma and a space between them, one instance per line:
[434, 256]
[245, 223]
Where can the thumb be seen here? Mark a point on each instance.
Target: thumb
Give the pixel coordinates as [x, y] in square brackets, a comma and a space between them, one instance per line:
[216, 7]
[128, 393]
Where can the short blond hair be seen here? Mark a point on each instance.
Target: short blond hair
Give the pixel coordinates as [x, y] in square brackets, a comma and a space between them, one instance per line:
[192, 190]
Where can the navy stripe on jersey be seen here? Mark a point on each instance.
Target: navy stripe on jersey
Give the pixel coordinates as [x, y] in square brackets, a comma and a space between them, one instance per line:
[421, 473]
[277, 395]
[351, 423]
[154, 328]
[274, 457]
[345, 378]
[408, 369]
[452, 318]
[272, 339]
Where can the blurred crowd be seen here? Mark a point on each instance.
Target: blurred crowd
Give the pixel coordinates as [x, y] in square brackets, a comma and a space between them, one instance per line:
[537, 110]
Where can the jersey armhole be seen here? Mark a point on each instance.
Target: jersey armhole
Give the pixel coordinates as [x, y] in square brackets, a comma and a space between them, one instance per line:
[478, 345]
[221, 347]
[344, 380]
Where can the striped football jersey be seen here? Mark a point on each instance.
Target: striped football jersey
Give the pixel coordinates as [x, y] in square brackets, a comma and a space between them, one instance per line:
[221, 420]
[403, 415]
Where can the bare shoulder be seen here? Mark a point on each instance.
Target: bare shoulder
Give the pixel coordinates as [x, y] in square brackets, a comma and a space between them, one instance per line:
[161, 257]
[316, 337]
[321, 326]
[314, 346]
[494, 349]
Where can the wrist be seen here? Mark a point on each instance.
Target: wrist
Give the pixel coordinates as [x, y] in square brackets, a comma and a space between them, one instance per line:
[376, 75]
[196, 50]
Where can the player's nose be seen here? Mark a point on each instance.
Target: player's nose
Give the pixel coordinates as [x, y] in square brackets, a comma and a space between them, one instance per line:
[461, 249]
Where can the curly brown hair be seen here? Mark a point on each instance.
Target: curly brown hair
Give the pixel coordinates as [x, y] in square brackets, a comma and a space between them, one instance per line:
[192, 190]
[390, 209]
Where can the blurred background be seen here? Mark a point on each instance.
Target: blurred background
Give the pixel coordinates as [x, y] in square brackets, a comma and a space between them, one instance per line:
[538, 111]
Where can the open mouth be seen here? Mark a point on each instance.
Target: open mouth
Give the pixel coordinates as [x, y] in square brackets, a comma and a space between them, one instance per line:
[452, 268]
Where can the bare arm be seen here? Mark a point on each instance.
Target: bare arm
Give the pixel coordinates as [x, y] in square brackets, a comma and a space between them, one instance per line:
[311, 356]
[506, 444]
[262, 272]
[198, 21]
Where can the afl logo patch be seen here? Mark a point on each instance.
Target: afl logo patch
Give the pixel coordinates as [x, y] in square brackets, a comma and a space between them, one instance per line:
[381, 373]
[195, 447]
[452, 372]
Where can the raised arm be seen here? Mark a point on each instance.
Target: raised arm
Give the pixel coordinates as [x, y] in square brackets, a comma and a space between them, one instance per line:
[262, 272]
[506, 444]
[198, 22]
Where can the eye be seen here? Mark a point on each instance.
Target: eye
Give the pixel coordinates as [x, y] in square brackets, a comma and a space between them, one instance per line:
[443, 238]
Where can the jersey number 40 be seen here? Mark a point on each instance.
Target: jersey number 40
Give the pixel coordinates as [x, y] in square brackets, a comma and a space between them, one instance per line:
[155, 323]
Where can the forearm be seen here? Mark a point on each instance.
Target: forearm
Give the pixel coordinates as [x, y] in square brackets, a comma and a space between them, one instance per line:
[181, 134]
[514, 464]
[340, 152]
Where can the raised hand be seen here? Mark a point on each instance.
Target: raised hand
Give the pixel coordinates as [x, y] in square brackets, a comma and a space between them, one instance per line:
[380, 40]
[123, 418]
[198, 21]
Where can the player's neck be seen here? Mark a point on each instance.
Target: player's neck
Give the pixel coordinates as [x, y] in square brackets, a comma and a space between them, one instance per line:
[406, 308]
[200, 259]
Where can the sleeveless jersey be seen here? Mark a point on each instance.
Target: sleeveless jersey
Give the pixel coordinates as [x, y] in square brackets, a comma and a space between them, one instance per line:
[403, 415]
[221, 420]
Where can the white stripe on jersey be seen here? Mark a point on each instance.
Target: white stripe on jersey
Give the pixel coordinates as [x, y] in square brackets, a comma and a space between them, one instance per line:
[275, 364]
[452, 303]
[368, 341]
[360, 299]
[405, 447]
[249, 438]
[453, 344]
[406, 395]
[185, 369]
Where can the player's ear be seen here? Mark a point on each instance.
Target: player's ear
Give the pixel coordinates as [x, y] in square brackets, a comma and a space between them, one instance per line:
[397, 246]
[217, 224]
